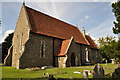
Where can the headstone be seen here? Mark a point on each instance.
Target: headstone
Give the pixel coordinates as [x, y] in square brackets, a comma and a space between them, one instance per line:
[106, 62]
[85, 75]
[116, 73]
[113, 61]
[51, 77]
[98, 71]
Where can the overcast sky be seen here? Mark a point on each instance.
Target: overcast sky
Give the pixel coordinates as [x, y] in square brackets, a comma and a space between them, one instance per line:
[96, 17]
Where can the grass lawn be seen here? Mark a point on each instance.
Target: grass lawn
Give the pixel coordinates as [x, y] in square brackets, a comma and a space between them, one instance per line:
[10, 72]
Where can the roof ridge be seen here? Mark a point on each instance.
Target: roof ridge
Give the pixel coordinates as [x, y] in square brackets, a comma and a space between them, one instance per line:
[50, 16]
[93, 41]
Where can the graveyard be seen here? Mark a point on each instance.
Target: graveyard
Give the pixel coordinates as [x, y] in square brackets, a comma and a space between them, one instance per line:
[69, 72]
[61, 51]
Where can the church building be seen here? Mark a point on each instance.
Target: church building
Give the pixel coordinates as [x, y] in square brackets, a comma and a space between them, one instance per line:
[41, 40]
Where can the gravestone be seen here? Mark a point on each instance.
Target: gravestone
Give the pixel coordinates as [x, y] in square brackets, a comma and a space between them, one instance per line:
[116, 73]
[51, 77]
[98, 71]
[113, 61]
[85, 75]
[106, 62]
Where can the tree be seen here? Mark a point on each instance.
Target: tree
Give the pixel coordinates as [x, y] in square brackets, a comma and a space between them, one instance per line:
[0, 53]
[109, 47]
[116, 10]
[105, 40]
[116, 28]
[6, 45]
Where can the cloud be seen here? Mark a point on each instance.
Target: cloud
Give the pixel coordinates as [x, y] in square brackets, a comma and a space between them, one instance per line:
[103, 29]
[12, 0]
[50, 8]
[81, 20]
[103, 0]
[95, 39]
[57, 0]
[1, 39]
[57, 10]
[8, 32]
[5, 35]
[1, 34]
[100, 27]
[0, 30]
[85, 18]
[113, 2]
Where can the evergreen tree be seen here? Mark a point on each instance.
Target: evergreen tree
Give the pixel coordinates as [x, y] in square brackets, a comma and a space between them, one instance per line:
[116, 10]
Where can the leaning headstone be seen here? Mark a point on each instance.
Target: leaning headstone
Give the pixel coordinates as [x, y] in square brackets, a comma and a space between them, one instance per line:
[116, 73]
[85, 75]
[98, 72]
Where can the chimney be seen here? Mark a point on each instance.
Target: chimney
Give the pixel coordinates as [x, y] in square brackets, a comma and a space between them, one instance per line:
[83, 31]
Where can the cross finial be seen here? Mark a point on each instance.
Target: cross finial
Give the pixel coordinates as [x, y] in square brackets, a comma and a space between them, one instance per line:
[83, 28]
[24, 2]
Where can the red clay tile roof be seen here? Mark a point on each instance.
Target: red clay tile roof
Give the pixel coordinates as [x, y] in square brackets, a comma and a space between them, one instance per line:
[92, 43]
[47, 25]
[64, 47]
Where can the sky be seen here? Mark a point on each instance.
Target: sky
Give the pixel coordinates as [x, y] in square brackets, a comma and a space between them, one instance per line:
[96, 17]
